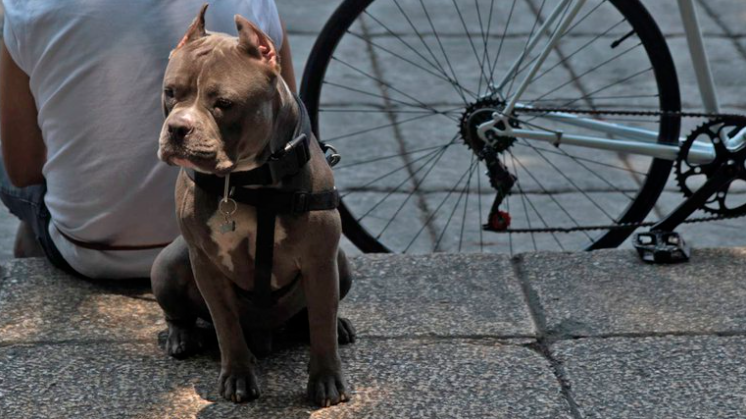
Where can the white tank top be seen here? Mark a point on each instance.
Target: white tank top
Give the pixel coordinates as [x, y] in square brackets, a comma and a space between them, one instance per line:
[96, 70]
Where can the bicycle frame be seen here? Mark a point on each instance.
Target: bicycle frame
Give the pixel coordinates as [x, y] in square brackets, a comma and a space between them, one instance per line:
[634, 140]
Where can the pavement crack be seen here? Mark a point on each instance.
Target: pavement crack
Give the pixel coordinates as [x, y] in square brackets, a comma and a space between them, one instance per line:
[531, 297]
[544, 340]
[556, 337]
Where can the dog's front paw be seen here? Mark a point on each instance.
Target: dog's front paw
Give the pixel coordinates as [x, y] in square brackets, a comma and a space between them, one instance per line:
[239, 386]
[327, 386]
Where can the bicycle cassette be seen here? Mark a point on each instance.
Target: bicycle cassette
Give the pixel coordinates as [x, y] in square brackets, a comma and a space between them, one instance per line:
[475, 115]
[727, 137]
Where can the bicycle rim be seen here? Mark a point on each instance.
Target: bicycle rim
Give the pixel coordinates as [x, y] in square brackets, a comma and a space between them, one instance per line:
[389, 94]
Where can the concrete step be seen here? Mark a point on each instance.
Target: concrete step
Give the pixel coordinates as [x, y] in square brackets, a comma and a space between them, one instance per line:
[549, 335]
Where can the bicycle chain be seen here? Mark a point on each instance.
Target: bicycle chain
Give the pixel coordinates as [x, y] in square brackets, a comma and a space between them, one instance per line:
[709, 115]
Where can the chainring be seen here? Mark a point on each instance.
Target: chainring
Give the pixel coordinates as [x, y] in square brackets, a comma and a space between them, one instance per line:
[688, 174]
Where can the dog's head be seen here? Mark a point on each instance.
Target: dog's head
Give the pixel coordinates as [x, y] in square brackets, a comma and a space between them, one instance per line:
[219, 97]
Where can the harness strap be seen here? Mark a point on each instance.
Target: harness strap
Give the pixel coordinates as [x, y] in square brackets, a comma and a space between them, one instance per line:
[278, 200]
[263, 260]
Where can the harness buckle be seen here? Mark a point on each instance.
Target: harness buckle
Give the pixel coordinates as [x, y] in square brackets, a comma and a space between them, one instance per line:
[301, 203]
[290, 159]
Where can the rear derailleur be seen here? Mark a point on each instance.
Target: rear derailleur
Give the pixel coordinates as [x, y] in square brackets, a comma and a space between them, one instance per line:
[501, 179]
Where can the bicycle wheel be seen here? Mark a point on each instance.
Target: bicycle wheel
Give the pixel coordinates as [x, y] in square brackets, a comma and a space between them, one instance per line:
[398, 88]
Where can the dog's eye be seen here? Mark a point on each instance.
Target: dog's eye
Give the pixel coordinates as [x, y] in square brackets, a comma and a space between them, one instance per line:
[168, 92]
[223, 104]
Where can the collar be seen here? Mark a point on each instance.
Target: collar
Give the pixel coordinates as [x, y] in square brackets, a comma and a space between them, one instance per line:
[286, 162]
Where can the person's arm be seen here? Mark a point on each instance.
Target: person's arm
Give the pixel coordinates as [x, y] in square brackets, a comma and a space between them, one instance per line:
[24, 152]
[286, 61]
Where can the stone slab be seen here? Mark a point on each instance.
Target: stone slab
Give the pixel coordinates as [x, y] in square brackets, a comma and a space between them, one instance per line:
[439, 294]
[613, 292]
[41, 303]
[671, 377]
[393, 296]
[390, 379]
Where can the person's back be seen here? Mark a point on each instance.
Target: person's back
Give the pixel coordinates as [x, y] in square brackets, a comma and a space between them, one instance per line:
[95, 71]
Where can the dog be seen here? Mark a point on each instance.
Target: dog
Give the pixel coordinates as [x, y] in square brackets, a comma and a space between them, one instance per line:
[229, 113]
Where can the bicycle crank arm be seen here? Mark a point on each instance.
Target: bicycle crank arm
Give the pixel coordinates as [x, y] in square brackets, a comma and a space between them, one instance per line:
[724, 175]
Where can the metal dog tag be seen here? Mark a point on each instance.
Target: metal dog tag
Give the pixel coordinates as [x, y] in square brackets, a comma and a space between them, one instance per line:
[227, 207]
[228, 226]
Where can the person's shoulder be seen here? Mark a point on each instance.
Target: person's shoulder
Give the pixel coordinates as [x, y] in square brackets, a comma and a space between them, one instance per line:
[21, 11]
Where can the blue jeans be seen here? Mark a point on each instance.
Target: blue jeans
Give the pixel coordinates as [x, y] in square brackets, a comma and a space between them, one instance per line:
[28, 205]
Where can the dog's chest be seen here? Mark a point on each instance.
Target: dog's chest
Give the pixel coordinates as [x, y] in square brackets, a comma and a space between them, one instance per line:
[235, 241]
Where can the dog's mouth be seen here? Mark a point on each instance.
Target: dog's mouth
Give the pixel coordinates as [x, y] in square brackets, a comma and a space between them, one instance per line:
[201, 161]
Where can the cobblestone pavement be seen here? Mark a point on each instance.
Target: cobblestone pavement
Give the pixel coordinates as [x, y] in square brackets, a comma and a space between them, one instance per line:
[435, 204]
[473, 336]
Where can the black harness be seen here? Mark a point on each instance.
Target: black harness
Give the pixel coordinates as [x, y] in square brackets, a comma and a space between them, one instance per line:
[270, 202]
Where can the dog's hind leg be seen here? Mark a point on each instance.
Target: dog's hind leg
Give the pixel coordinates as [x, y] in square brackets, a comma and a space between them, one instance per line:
[176, 291]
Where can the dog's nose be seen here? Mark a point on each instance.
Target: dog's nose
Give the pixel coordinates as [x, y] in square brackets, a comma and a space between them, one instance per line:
[180, 126]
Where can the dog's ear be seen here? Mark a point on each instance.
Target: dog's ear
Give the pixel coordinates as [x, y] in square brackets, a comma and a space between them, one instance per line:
[256, 42]
[196, 29]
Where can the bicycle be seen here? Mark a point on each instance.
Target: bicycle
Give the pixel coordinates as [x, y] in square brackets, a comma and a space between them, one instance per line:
[521, 125]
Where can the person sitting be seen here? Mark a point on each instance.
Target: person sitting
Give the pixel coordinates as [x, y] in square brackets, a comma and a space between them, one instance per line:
[80, 115]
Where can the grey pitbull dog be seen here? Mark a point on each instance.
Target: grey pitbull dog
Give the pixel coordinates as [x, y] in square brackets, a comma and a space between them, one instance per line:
[227, 110]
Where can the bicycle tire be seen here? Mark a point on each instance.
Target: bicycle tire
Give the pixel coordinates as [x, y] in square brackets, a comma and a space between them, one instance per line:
[666, 81]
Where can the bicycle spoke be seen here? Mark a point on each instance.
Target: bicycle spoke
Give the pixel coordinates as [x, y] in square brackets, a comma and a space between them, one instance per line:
[459, 89]
[592, 69]
[410, 47]
[611, 166]
[455, 207]
[565, 59]
[471, 42]
[434, 160]
[593, 172]
[380, 127]
[389, 86]
[432, 215]
[411, 105]
[437, 37]
[555, 99]
[507, 207]
[479, 202]
[524, 200]
[454, 81]
[485, 40]
[550, 195]
[502, 41]
[391, 156]
[417, 185]
[387, 111]
[528, 42]
[385, 175]
[466, 205]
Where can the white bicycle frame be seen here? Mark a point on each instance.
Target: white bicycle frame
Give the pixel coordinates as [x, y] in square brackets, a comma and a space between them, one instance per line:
[631, 140]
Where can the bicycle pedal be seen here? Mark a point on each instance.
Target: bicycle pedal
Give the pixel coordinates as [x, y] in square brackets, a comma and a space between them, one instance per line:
[662, 247]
